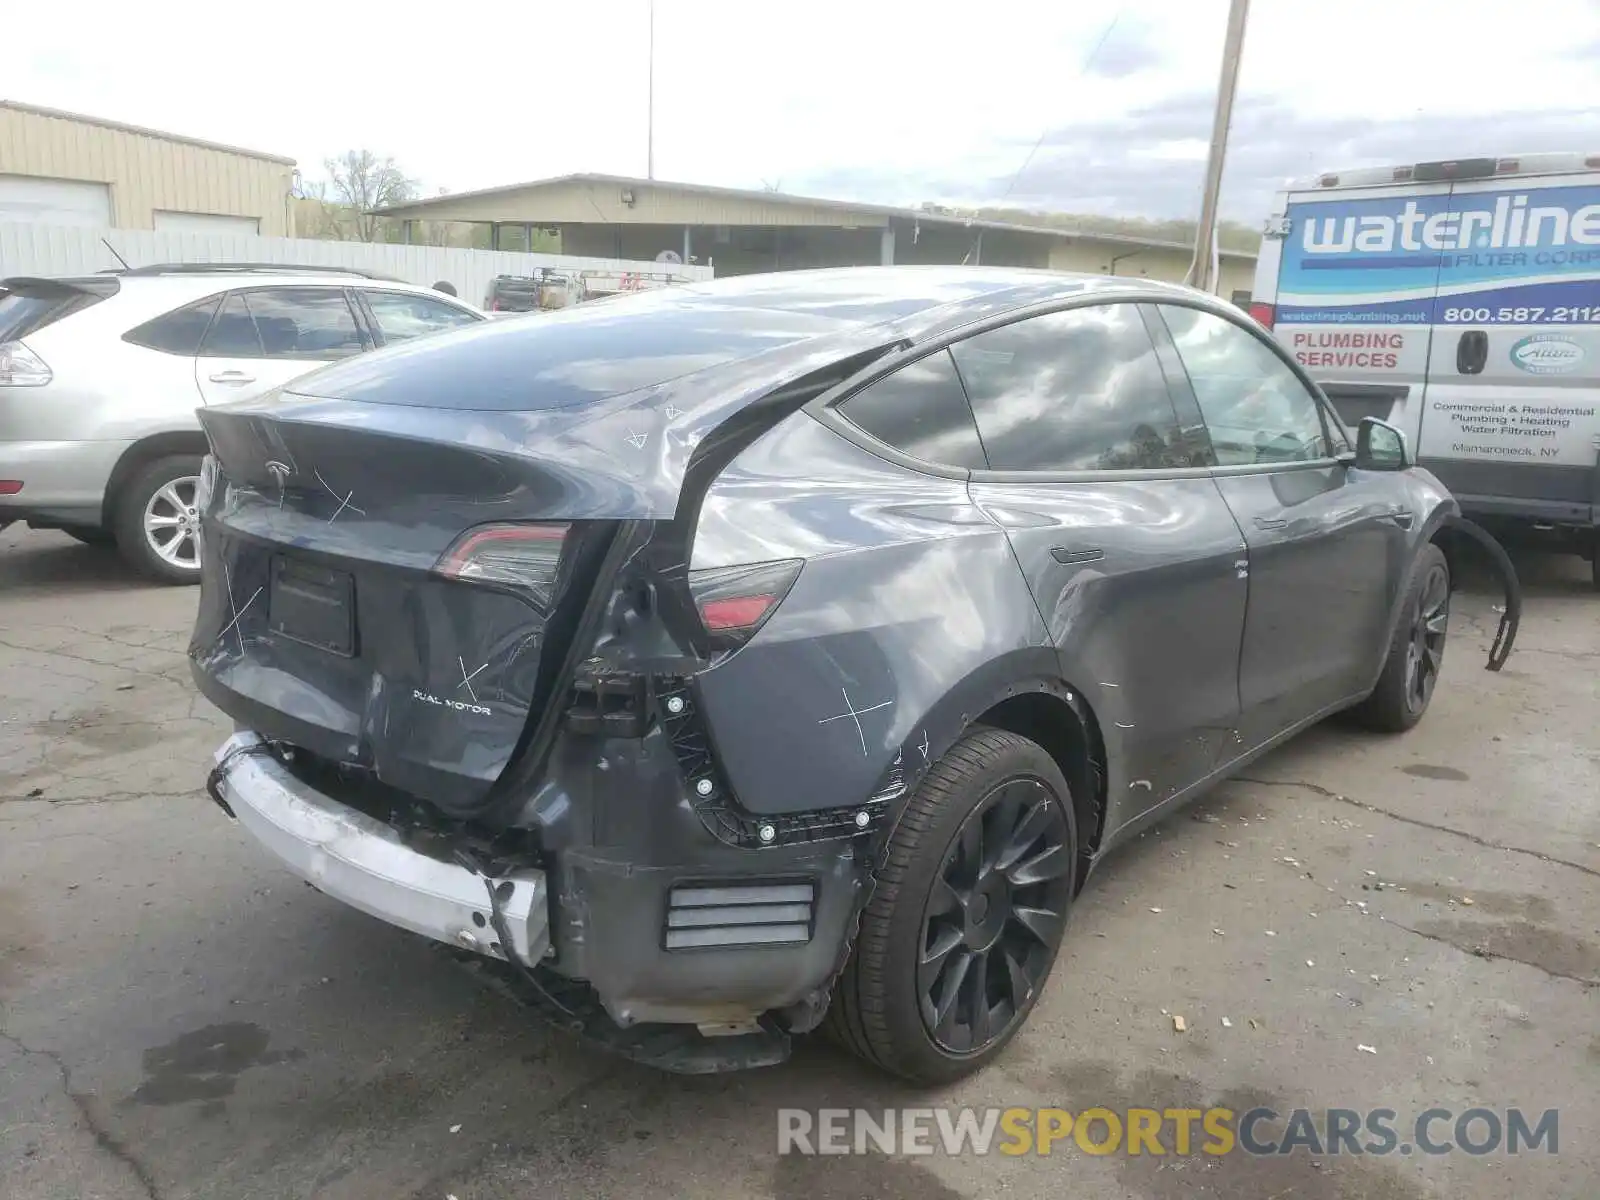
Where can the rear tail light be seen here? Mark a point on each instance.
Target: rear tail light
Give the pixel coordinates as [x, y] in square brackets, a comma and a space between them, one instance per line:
[21, 367]
[522, 556]
[1263, 312]
[10, 487]
[734, 602]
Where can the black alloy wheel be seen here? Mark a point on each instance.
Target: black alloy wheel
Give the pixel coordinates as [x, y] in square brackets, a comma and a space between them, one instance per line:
[994, 916]
[967, 914]
[1415, 655]
[1430, 622]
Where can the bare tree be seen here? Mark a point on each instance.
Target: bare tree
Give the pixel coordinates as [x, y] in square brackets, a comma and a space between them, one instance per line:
[361, 181]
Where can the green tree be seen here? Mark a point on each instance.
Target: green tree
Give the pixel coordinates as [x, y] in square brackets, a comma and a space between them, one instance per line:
[358, 182]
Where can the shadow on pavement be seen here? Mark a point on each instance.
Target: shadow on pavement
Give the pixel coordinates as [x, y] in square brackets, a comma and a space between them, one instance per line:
[34, 561]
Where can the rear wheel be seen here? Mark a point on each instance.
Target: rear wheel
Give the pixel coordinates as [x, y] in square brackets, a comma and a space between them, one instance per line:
[1417, 652]
[968, 913]
[156, 522]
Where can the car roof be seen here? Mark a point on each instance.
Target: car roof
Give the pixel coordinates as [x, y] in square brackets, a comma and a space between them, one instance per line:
[792, 321]
[868, 295]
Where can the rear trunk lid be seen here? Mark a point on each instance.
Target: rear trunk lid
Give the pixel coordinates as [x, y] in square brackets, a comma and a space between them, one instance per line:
[363, 601]
[393, 578]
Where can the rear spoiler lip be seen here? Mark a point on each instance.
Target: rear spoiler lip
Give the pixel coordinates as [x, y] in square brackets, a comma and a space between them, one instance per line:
[95, 285]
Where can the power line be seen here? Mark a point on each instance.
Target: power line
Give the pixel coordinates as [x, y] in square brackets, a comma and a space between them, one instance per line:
[1082, 71]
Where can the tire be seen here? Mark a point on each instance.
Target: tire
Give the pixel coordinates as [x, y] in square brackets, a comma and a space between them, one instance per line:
[91, 535]
[885, 1005]
[1400, 700]
[162, 490]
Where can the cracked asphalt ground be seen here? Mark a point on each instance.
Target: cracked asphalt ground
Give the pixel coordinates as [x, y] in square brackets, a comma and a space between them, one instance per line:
[183, 1019]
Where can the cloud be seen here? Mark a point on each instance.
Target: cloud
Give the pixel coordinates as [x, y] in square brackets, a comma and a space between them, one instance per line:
[1149, 162]
[1126, 53]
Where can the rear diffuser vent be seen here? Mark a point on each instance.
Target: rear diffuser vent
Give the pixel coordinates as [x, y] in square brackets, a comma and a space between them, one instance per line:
[702, 915]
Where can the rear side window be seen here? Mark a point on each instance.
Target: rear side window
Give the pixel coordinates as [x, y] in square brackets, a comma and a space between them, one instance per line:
[1080, 390]
[176, 332]
[1256, 408]
[401, 316]
[304, 323]
[27, 306]
[921, 411]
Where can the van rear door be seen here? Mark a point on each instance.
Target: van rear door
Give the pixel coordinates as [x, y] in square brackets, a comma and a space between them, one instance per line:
[1356, 287]
[1512, 424]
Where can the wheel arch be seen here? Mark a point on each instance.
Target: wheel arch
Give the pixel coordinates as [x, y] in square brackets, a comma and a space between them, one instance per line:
[146, 450]
[1054, 716]
[1025, 693]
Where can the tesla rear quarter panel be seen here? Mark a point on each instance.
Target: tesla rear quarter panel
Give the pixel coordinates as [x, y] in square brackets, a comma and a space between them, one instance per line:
[908, 619]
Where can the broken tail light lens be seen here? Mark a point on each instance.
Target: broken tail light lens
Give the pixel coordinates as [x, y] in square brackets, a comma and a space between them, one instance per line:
[734, 602]
[1263, 312]
[522, 555]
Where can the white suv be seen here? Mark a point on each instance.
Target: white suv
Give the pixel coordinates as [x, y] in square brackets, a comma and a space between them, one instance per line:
[100, 377]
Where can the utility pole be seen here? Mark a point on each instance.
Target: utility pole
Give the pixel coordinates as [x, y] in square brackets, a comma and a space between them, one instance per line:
[650, 105]
[1203, 270]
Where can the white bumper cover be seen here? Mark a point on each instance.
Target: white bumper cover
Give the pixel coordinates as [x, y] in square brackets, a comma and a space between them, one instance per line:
[363, 862]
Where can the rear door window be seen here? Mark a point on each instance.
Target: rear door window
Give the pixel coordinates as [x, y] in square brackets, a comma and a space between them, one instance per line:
[233, 334]
[300, 323]
[920, 410]
[401, 316]
[177, 332]
[1256, 407]
[1079, 390]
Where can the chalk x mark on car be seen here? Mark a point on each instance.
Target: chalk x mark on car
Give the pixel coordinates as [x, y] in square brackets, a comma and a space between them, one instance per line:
[238, 611]
[344, 501]
[466, 679]
[855, 714]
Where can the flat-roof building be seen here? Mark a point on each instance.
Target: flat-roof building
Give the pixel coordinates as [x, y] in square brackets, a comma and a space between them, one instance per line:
[738, 231]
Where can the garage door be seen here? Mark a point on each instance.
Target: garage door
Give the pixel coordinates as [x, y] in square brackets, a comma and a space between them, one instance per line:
[55, 201]
[182, 222]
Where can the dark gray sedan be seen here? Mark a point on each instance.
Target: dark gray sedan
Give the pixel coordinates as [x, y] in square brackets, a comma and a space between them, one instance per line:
[732, 658]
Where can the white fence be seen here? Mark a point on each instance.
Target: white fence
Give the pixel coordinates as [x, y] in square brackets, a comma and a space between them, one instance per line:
[27, 248]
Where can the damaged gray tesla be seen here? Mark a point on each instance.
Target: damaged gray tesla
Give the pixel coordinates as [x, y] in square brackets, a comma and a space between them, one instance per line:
[733, 659]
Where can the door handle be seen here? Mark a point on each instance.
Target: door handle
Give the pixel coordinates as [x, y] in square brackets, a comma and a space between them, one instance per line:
[1067, 555]
[1272, 522]
[232, 377]
[1472, 352]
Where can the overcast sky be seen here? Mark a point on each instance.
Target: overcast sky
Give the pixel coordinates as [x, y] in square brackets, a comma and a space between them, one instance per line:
[895, 102]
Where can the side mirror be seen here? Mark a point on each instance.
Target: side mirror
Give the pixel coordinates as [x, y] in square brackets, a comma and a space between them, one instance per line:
[1380, 446]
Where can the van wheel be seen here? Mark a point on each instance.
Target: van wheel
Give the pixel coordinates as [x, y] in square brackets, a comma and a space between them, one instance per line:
[1417, 652]
[967, 916]
[156, 522]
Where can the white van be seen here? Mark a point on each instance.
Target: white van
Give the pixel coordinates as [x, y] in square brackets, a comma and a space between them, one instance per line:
[1459, 301]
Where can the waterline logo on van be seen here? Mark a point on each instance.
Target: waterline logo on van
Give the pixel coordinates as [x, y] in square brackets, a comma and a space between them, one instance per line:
[1507, 221]
[1546, 354]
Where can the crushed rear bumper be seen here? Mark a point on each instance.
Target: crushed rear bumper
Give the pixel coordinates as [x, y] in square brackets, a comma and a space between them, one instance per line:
[363, 862]
[664, 945]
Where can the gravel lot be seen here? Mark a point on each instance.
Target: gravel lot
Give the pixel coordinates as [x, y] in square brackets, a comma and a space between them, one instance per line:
[183, 1019]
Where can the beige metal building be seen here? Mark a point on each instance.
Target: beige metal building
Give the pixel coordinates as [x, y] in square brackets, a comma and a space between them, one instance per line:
[738, 231]
[63, 168]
